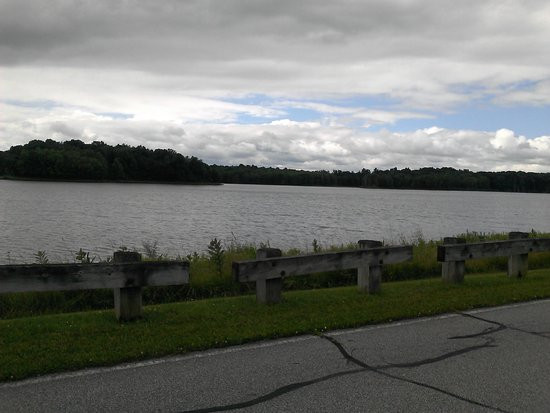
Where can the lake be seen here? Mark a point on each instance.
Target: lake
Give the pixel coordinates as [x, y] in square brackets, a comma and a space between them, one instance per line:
[60, 218]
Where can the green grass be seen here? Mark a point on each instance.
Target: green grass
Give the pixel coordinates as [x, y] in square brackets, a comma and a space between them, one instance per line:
[54, 343]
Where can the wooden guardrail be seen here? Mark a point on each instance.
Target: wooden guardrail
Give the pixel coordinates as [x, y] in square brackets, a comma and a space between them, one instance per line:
[269, 268]
[126, 275]
[454, 252]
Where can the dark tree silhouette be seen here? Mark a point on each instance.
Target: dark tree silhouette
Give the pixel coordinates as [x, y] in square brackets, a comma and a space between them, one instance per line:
[75, 160]
[97, 161]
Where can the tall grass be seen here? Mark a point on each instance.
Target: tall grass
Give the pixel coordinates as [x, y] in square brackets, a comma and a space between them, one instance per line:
[211, 275]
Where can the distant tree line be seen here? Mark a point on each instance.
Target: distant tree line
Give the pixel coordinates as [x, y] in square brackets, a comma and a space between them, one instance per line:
[249, 174]
[424, 178]
[97, 161]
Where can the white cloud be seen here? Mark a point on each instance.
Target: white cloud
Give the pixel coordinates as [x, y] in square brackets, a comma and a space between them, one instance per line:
[301, 145]
[418, 54]
[142, 95]
[177, 69]
[505, 140]
[350, 113]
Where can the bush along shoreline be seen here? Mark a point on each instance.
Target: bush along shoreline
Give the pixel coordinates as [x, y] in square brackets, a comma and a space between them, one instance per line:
[211, 275]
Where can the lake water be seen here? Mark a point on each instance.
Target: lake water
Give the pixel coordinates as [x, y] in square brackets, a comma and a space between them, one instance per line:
[60, 218]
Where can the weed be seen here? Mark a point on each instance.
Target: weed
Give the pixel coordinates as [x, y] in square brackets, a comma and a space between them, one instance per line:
[216, 254]
[152, 250]
[264, 245]
[84, 257]
[41, 257]
[316, 246]
[193, 257]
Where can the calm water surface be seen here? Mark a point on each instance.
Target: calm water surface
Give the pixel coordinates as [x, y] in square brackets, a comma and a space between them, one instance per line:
[60, 218]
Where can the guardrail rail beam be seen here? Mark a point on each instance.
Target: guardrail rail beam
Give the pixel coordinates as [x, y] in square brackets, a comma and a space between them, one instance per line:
[268, 270]
[516, 248]
[124, 277]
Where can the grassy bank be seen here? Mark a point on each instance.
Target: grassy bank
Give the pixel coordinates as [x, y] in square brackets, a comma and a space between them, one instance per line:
[53, 343]
[210, 276]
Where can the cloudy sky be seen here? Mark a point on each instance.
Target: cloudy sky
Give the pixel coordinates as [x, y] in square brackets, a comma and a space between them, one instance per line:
[302, 84]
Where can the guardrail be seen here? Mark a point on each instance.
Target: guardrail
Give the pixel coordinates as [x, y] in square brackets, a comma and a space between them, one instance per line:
[269, 268]
[454, 252]
[126, 275]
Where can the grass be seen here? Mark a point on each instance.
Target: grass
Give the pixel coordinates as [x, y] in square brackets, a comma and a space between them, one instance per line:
[54, 343]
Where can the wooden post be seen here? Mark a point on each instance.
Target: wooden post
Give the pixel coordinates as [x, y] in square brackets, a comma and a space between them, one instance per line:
[453, 271]
[268, 291]
[517, 264]
[369, 277]
[128, 302]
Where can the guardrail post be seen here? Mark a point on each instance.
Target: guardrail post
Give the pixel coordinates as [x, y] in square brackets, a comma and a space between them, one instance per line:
[268, 291]
[453, 271]
[369, 277]
[517, 264]
[128, 302]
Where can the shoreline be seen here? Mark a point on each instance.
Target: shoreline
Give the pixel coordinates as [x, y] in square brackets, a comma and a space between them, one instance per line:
[106, 181]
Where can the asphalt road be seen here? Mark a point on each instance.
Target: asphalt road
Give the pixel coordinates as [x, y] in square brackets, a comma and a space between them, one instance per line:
[486, 360]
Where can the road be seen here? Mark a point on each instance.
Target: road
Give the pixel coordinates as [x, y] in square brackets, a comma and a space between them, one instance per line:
[494, 359]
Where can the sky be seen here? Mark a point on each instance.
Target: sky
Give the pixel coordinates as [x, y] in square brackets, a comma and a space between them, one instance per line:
[309, 84]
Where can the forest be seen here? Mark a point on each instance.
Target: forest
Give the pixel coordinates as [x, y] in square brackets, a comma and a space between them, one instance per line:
[424, 178]
[97, 161]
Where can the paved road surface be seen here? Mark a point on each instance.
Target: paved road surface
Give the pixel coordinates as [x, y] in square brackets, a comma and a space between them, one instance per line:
[486, 360]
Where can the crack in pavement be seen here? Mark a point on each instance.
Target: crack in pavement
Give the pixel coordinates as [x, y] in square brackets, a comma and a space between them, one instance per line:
[488, 343]
[380, 369]
[352, 359]
[363, 367]
[502, 326]
[276, 393]
[487, 331]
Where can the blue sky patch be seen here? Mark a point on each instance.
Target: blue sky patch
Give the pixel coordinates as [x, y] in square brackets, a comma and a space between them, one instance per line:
[523, 120]
[36, 104]
[480, 114]
[116, 115]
